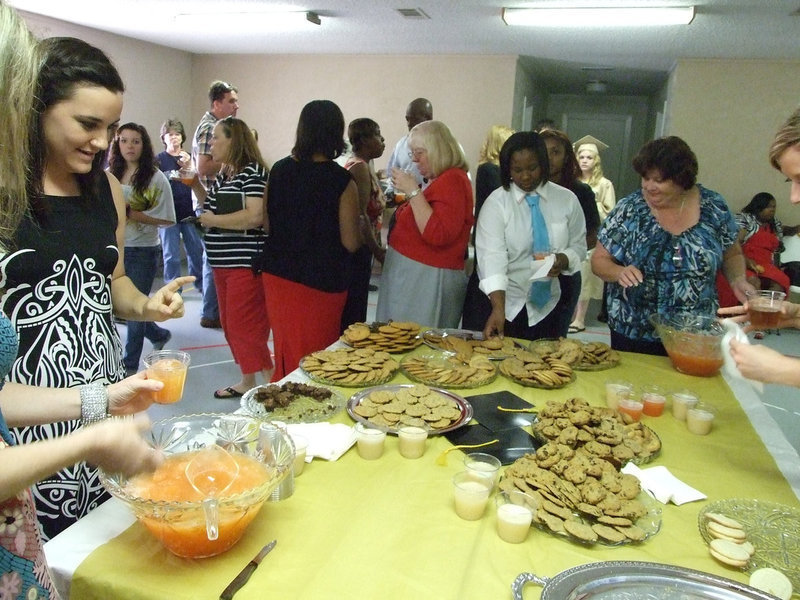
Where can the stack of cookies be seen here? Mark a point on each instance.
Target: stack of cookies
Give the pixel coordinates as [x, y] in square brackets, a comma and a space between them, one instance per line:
[350, 366]
[394, 336]
[580, 495]
[581, 356]
[493, 348]
[729, 543]
[530, 370]
[449, 371]
[415, 405]
[600, 430]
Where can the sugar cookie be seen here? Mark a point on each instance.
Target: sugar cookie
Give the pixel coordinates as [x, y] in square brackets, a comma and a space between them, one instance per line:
[729, 552]
[773, 582]
[723, 520]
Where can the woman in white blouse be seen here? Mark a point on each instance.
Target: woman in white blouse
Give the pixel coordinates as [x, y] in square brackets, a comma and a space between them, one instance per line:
[505, 242]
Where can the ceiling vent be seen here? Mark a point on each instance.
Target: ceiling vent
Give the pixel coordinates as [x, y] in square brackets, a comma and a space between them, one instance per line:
[413, 13]
[596, 86]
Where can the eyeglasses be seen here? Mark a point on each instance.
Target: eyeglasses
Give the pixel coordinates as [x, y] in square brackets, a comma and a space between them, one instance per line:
[417, 153]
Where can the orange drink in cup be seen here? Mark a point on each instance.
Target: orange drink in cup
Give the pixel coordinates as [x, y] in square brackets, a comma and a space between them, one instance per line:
[168, 367]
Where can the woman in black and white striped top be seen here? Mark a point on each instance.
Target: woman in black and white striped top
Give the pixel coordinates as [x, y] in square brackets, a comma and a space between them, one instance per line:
[232, 214]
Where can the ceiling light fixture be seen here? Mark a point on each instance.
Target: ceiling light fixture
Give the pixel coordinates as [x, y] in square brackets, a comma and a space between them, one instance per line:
[599, 17]
[264, 19]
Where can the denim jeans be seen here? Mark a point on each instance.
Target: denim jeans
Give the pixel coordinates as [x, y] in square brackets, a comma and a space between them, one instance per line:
[210, 308]
[192, 243]
[141, 265]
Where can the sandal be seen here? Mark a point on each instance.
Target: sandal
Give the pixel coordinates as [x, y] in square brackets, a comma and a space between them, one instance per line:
[575, 329]
[228, 392]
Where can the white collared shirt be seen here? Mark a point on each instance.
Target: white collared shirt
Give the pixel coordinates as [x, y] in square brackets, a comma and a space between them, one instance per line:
[503, 243]
[401, 159]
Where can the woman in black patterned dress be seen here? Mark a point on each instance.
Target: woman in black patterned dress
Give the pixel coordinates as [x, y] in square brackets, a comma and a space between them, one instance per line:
[65, 267]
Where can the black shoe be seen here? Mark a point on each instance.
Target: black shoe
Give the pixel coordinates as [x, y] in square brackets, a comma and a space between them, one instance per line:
[373, 288]
[159, 345]
[210, 323]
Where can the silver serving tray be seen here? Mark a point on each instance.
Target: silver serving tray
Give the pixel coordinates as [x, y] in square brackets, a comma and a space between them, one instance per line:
[631, 580]
[463, 404]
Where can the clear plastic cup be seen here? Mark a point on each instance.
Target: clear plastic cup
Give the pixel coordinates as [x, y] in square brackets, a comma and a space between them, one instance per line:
[411, 441]
[485, 465]
[654, 398]
[300, 447]
[471, 495]
[170, 368]
[700, 418]
[682, 401]
[631, 407]
[617, 390]
[369, 441]
[515, 511]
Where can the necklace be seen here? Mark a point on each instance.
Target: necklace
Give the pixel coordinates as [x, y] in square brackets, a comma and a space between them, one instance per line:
[680, 209]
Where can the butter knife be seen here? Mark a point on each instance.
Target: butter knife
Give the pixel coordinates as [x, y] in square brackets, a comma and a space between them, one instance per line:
[245, 574]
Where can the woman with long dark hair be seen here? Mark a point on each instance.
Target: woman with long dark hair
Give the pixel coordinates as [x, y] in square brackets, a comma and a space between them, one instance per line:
[565, 171]
[312, 219]
[63, 268]
[233, 214]
[149, 205]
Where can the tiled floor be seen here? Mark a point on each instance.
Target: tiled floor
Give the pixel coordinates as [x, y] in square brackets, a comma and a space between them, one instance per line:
[213, 367]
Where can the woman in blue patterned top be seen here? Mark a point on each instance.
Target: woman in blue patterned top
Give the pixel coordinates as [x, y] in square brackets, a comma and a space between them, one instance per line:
[663, 245]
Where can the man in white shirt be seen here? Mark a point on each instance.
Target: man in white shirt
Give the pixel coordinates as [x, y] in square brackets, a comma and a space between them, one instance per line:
[418, 110]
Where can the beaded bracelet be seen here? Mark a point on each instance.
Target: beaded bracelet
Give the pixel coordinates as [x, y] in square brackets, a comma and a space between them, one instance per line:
[94, 403]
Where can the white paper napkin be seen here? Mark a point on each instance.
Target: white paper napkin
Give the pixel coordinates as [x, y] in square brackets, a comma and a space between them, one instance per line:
[663, 485]
[542, 267]
[734, 332]
[325, 440]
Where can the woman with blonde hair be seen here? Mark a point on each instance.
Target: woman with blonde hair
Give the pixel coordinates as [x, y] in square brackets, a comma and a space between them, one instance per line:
[587, 150]
[487, 179]
[423, 278]
[233, 215]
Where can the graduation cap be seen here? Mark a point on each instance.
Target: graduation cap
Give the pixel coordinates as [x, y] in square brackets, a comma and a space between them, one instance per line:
[590, 142]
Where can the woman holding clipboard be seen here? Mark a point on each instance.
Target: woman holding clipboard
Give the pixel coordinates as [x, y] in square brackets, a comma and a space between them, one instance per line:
[232, 216]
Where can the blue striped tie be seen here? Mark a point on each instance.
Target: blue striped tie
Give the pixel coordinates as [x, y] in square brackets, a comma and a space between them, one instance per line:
[540, 290]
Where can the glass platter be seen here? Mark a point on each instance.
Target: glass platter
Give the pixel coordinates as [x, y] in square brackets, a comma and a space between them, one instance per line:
[532, 383]
[303, 409]
[637, 460]
[465, 410]
[629, 580]
[444, 370]
[582, 365]
[431, 337]
[649, 523]
[772, 528]
[402, 340]
[349, 367]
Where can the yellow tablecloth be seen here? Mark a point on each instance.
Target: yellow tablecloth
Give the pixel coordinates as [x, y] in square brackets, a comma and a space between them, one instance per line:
[387, 529]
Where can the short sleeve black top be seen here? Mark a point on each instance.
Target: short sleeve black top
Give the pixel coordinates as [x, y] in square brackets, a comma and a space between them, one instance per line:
[304, 244]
